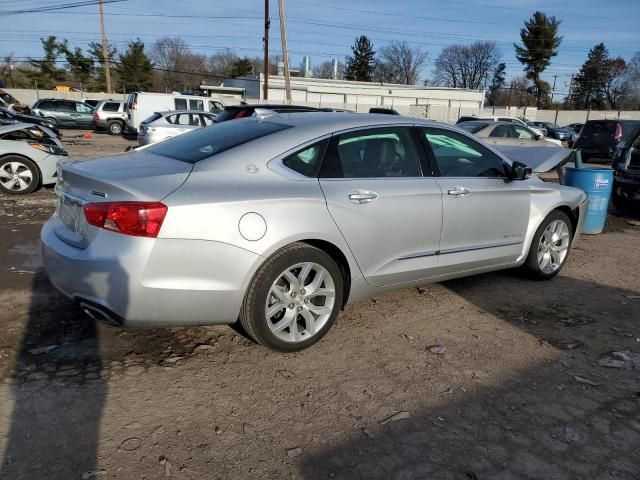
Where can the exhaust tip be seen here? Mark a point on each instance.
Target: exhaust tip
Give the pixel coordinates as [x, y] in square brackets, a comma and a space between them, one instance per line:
[100, 314]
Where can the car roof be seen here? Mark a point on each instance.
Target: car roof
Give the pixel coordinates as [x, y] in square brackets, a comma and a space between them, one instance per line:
[171, 112]
[322, 123]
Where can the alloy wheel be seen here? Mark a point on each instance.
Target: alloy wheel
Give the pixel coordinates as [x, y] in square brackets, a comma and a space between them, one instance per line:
[15, 176]
[300, 302]
[553, 246]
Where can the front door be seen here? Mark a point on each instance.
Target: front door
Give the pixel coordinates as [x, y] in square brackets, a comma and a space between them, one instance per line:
[388, 212]
[485, 215]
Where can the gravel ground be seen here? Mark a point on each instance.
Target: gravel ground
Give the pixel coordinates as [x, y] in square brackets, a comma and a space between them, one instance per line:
[514, 389]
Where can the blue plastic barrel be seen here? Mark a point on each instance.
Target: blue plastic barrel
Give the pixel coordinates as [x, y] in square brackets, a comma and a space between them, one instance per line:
[597, 183]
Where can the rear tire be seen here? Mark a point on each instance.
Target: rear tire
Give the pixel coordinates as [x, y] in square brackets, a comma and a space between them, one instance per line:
[550, 247]
[619, 201]
[114, 128]
[18, 175]
[293, 299]
[51, 120]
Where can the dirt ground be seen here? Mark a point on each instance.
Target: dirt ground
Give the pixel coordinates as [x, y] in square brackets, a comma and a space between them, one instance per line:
[517, 391]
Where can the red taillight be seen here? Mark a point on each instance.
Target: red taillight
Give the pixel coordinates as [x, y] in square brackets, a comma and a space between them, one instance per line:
[96, 116]
[142, 219]
[618, 135]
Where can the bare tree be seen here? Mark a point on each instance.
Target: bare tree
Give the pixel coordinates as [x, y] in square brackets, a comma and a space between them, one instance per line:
[325, 70]
[614, 81]
[178, 67]
[399, 62]
[466, 66]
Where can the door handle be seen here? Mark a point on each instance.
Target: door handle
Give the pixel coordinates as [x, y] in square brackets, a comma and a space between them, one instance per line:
[458, 192]
[362, 197]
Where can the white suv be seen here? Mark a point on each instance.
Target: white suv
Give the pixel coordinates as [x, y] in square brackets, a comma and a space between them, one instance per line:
[110, 115]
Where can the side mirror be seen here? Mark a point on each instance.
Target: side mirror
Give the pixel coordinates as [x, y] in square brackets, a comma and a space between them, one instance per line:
[519, 171]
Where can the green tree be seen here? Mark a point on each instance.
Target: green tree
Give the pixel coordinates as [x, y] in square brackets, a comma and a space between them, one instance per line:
[95, 53]
[242, 66]
[135, 69]
[80, 66]
[540, 42]
[361, 65]
[498, 82]
[45, 71]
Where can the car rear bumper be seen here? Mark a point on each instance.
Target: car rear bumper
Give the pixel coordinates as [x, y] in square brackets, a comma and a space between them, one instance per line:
[142, 282]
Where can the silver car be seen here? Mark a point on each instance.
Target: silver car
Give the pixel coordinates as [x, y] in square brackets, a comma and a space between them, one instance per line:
[28, 157]
[507, 133]
[163, 125]
[279, 222]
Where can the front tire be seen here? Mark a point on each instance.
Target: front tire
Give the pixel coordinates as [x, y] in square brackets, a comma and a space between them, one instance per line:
[550, 247]
[294, 299]
[18, 175]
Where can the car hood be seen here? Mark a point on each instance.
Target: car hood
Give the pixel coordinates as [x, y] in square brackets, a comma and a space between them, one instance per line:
[540, 159]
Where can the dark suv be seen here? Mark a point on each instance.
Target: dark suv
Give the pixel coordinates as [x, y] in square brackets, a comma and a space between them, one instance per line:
[626, 166]
[65, 113]
[599, 138]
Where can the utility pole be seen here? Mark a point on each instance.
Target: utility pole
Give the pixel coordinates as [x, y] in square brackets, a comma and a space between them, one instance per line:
[105, 49]
[553, 89]
[285, 53]
[267, 24]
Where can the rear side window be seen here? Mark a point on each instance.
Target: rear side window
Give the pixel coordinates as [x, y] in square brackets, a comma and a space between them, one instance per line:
[307, 161]
[501, 131]
[196, 105]
[46, 105]
[65, 107]
[372, 153]
[180, 103]
[110, 107]
[206, 142]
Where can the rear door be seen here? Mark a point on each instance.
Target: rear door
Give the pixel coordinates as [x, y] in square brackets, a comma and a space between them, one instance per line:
[388, 212]
[485, 217]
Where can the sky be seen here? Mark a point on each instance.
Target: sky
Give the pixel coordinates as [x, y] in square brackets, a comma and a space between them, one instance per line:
[326, 29]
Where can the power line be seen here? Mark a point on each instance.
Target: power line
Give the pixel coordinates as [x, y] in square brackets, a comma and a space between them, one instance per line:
[54, 8]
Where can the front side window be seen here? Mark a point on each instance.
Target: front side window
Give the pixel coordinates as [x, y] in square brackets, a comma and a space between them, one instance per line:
[459, 156]
[372, 153]
[82, 108]
[307, 161]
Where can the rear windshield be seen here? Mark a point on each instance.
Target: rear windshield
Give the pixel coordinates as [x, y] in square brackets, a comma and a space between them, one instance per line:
[206, 142]
[472, 127]
[152, 118]
[599, 126]
[231, 113]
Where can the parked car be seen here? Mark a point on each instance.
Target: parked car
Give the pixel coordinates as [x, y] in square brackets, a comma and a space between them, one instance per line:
[65, 113]
[233, 112]
[10, 102]
[599, 138]
[626, 166]
[110, 115]
[575, 127]
[565, 135]
[506, 133]
[495, 118]
[141, 105]
[9, 117]
[542, 129]
[281, 221]
[28, 157]
[163, 125]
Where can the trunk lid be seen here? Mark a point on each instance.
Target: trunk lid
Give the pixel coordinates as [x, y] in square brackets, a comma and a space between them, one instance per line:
[134, 176]
[540, 159]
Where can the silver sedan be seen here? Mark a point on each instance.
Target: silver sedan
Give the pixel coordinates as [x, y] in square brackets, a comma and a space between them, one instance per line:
[163, 125]
[279, 222]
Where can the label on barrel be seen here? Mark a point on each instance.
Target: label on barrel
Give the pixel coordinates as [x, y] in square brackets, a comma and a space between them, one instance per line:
[601, 182]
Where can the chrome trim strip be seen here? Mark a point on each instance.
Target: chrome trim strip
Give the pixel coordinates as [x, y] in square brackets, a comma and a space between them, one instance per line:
[479, 247]
[431, 253]
[420, 255]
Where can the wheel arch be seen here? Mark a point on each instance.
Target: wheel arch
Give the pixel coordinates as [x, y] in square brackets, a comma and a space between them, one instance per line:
[340, 258]
[574, 217]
